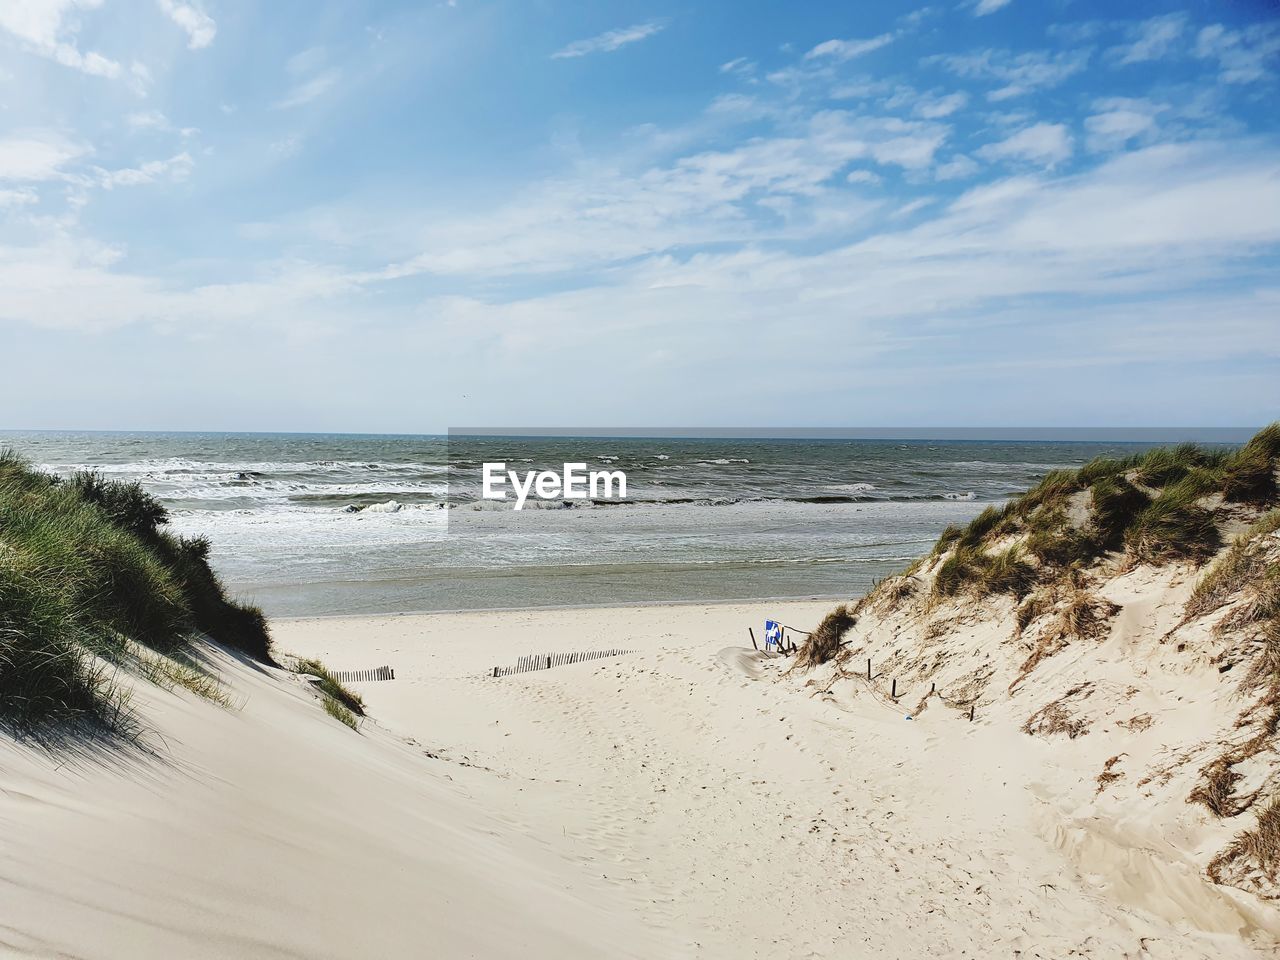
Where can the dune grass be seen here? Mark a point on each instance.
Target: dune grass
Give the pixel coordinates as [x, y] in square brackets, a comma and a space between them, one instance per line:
[330, 686]
[1241, 566]
[171, 673]
[340, 713]
[85, 570]
[823, 644]
[970, 569]
[1173, 527]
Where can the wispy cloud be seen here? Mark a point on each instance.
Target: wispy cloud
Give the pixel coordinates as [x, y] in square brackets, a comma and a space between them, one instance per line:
[610, 40]
[1153, 39]
[1046, 144]
[1243, 56]
[1118, 121]
[1020, 73]
[848, 49]
[307, 90]
[47, 28]
[177, 167]
[312, 78]
[199, 26]
[984, 7]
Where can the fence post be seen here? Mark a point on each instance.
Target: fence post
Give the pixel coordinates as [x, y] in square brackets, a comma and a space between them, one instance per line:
[893, 693]
[868, 668]
[972, 706]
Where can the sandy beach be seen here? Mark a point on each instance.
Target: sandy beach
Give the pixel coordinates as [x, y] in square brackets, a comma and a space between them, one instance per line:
[688, 799]
[734, 810]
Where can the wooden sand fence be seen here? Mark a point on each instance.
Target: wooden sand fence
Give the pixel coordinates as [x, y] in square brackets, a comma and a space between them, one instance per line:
[363, 676]
[545, 661]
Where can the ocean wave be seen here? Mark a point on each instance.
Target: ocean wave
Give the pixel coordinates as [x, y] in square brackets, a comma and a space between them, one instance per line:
[163, 466]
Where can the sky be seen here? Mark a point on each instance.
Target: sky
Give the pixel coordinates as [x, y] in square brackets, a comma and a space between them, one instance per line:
[401, 217]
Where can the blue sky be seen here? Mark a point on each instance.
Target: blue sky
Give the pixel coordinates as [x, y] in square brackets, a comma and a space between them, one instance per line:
[406, 216]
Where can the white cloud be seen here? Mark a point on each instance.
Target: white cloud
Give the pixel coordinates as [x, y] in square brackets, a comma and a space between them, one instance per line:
[307, 90]
[1047, 144]
[1153, 39]
[175, 168]
[862, 176]
[199, 26]
[848, 49]
[1020, 73]
[1119, 120]
[47, 28]
[934, 108]
[610, 40]
[24, 196]
[36, 155]
[984, 7]
[1243, 56]
[147, 120]
[739, 66]
[958, 167]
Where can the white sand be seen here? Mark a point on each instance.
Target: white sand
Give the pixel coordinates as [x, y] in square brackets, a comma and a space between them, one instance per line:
[686, 800]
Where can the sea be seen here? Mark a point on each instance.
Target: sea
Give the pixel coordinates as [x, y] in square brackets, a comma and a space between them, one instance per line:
[318, 524]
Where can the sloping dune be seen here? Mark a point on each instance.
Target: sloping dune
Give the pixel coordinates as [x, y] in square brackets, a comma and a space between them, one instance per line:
[271, 830]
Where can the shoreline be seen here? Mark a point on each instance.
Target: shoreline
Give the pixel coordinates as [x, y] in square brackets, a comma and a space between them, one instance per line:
[636, 605]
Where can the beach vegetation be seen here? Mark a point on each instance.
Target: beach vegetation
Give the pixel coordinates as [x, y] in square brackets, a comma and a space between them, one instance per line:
[341, 713]
[86, 570]
[824, 643]
[1173, 527]
[330, 686]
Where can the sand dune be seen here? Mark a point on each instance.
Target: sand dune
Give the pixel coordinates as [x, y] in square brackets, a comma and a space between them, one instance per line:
[690, 799]
[743, 811]
[271, 830]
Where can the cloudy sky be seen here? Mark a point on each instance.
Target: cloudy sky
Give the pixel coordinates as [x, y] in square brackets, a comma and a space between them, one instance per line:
[351, 215]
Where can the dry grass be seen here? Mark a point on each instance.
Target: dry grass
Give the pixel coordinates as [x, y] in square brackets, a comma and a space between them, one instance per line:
[1217, 787]
[1138, 723]
[1054, 719]
[1109, 775]
[823, 644]
[895, 591]
[1241, 566]
[1252, 855]
[1082, 616]
[1032, 608]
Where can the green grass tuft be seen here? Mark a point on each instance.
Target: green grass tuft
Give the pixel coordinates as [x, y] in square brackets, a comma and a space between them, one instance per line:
[971, 570]
[336, 710]
[1116, 503]
[330, 686]
[1173, 527]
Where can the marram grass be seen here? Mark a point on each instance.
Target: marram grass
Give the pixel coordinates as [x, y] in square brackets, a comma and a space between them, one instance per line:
[86, 569]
